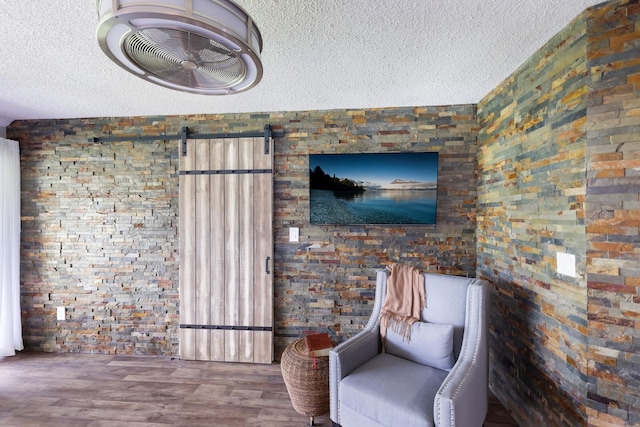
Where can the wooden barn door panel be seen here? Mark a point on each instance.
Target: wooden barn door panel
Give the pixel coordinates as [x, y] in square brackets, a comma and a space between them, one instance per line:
[187, 229]
[262, 267]
[202, 294]
[226, 293]
[217, 255]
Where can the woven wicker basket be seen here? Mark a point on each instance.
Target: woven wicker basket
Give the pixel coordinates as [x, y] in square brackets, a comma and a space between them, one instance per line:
[308, 387]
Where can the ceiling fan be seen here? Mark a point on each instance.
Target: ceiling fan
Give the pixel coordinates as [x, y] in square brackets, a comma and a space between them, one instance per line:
[207, 47]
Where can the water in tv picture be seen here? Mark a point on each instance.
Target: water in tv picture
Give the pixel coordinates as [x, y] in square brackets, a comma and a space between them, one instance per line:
[373, 188]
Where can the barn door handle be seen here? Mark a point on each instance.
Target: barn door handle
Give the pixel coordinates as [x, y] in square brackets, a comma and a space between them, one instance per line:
[266, 265]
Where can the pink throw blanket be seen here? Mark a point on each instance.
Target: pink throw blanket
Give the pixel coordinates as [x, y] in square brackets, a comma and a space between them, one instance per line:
[404, 301]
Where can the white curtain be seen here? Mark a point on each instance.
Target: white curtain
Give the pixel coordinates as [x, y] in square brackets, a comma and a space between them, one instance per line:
[10, 323]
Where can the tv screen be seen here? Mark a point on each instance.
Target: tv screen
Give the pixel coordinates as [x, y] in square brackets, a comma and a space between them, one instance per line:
[373, 188]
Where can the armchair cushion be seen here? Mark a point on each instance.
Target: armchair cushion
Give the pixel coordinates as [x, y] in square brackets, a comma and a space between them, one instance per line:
[390, 390]
[431, 345]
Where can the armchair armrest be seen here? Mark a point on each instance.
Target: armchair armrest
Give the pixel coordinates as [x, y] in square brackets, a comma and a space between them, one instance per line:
[462, 399]
[354, 352]
[457, 405]
[346, 357]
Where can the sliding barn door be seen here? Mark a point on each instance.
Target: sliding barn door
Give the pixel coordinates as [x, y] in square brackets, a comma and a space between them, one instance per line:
[226, 245]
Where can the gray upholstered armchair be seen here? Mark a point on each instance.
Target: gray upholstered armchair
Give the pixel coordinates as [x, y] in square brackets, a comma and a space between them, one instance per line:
[439, 378]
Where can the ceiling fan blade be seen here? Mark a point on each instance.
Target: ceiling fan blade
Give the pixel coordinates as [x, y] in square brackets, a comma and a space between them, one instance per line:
[184, 58]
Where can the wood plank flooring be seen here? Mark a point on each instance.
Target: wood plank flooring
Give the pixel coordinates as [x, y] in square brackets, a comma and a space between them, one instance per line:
[46, 389]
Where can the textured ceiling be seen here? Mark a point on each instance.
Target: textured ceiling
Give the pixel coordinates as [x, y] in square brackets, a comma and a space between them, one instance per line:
[318, 54]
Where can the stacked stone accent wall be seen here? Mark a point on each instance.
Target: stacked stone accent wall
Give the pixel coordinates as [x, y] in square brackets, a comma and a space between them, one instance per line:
[100, 238]
[558, 153]
[100, 223]
[613, 214]
[531, 195]
[333, 286]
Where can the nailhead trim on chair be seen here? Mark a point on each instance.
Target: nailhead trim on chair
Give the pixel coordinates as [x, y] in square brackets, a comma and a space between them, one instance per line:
[464, 352]
[356, 340]
[371, 325]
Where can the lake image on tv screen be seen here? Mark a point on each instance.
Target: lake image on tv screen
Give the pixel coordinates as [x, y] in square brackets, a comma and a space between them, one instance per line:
[373, 188]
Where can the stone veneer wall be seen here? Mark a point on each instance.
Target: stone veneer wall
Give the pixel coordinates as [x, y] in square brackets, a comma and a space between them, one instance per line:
[613, 214]
[531, 194]
[558, 152]
[100, 223]
[99, 237]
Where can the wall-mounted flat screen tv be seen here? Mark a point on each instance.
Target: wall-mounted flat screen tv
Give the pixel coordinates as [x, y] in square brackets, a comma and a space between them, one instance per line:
[373, 188]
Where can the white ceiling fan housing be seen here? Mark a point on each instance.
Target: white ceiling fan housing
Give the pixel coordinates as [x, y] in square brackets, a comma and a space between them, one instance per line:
[208, 47]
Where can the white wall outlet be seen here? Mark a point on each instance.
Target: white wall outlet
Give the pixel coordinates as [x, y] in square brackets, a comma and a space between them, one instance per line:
[60, 313]
[566, 264]
[294, 234]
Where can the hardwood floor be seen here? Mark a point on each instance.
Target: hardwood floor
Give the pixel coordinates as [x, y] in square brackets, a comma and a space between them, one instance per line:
[45, 389]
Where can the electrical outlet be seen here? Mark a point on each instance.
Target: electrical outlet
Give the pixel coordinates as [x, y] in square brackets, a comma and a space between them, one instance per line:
[566, 264]
[294, 234]
[60, 313]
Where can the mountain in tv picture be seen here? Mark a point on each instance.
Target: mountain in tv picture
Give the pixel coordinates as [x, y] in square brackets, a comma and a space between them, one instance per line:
[400, 184]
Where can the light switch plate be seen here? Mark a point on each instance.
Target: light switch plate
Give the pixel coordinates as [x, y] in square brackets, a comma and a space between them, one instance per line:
[60, 313]
[294, 234]
[566, 264]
